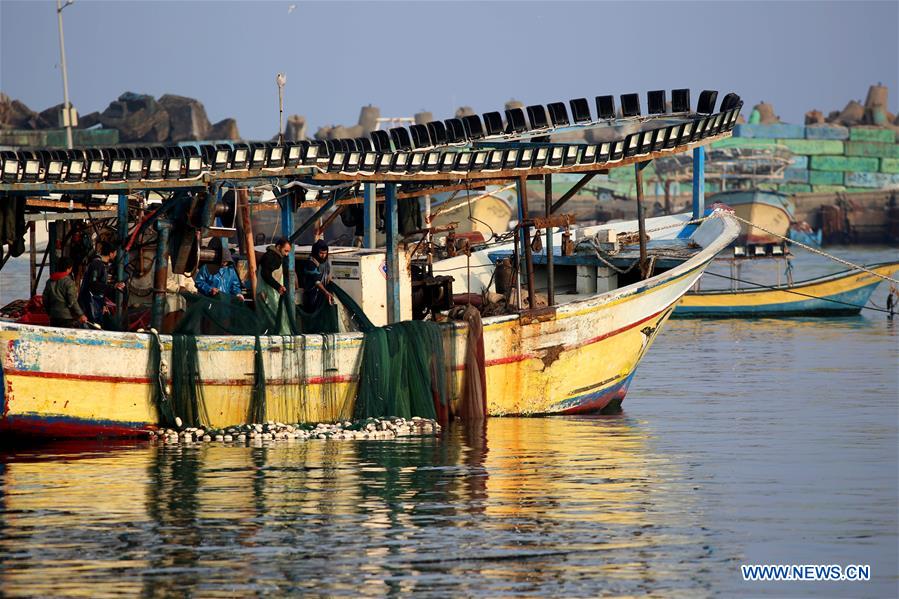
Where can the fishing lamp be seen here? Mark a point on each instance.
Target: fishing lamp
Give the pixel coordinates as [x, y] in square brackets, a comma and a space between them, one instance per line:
[400, 138]
[337, 161]
[174, 162]
[644, 145]
[455, 131]
[511, 158]
[53, 164]
[479, 161]
[10, 172]
[463, 162]
[363, 144]
[257, 155]
[437, 131]
[380, 141]
[739, 251]
[294, 154]
[352, 162]
[473, 127]
[655, 101]
[707, 99]
[241, 156]
[758, 250]
[556, 156]
[671, 139]
[219, 157]
[695, 130]
[729, 101]
[156, 165]
[116, 163]
[400, 162]
[777, 250]
[571, 153]
[588, 156]
[537, 117]
[447, 162]
[540, 156]
[310, 154]
[384, 162]
[605, 107]
[580, 110]
[617, 152]
[416, 161]
[680, 100]
[557, 114]
[369, 162]
[605, 149]
[686, 132]
[632, 144]
[526, 158]
[493, 123]
[137, 163]
[432, 162]
[94, 164]
[515, 121]
[420, 137]
[275, 157]
[630, 105]
[194, 162]
[494, 160]
[31, 167]
[661, 139]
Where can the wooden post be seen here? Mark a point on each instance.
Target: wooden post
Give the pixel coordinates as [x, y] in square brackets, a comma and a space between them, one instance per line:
[526, 238]
[242, 202]
[393, 278]
[550, 269]
[161, 272]
[641, 223]
[370, 216]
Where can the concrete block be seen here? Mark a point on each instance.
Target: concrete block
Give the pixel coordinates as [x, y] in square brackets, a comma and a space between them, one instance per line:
[828, 188]
[796, 175]
[794, 188]
[813, 146]
[799, 162]
[744, 142]
[767, 186]
[825, 177]
[871, 180]
[844, 163]
[826, 132]
[889, 165]
[857, 189]
[777, 130]
[872, 148]
[886, 136]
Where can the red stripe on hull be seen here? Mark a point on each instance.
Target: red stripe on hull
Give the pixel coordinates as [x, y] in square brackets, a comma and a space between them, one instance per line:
[69, 428]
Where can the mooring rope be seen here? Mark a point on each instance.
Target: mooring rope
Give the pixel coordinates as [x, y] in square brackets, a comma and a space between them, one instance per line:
[794, 292]
[817, 251]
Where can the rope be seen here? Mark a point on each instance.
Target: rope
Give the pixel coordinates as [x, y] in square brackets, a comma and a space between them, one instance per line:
[817, 251]
[826, 299]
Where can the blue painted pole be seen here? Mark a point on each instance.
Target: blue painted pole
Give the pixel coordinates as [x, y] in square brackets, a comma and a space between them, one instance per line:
[393, 278]
[121, 257]
[371, 216]
[286, 231]
[161, 269]
[698, 182]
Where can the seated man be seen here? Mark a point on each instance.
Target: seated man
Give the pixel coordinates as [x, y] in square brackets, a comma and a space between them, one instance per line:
[222, 278]
[61, 299]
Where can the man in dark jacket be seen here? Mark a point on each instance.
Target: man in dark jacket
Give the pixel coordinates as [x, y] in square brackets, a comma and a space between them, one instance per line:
[61, 299]
[95, 287]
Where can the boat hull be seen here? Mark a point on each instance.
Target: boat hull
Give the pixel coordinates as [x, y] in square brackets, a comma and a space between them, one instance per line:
[771, 211]
[578, 358]
[841, 294]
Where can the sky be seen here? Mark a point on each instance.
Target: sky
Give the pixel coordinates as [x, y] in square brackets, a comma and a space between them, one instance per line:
[408, 56]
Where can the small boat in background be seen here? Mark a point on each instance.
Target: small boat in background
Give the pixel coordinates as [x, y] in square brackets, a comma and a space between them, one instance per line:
[841, 294]
[769, 209]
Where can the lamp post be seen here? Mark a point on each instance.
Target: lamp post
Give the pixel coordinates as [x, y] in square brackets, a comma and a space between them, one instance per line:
[281, 80]
[66, 107]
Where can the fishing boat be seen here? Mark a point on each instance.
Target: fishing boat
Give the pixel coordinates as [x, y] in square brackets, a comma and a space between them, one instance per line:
[576, 355]
[840, 294]
[768, 209]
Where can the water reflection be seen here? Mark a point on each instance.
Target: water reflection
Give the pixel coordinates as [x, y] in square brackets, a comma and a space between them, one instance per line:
[551, 502]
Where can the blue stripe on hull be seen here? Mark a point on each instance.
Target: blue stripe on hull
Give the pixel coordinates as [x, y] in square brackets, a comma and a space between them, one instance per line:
[805, 307]
[595, 401]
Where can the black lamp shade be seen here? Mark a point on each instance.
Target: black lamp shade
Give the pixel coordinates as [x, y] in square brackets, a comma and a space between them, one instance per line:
[707, 99]
[401, 139]
[537, 117]
[605, 107]
[420, 136]
[557, 114]
[455, 132]
[580, 110]
[437, 131]
[630, 105]
[655, 101]
[380, 141]
[473, 128]
[680, 100]
[515, 121]
[493, 123]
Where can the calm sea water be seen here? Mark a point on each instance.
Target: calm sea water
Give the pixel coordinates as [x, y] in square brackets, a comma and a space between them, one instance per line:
[768, 441]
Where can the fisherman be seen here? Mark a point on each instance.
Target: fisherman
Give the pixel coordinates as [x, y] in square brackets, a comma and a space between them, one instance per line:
[95, 286]
[176, 286]
[61, 297]
[317, 274]
[222, 278]
[271, 285]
